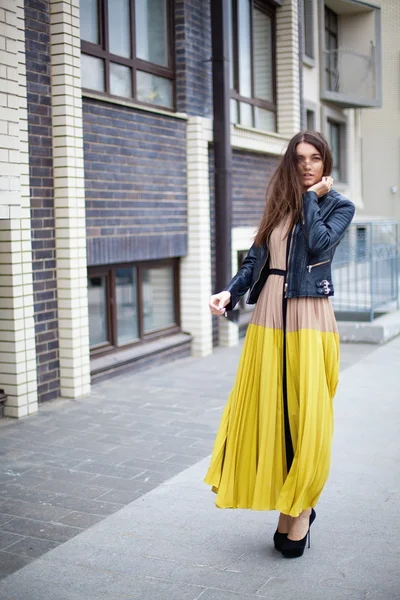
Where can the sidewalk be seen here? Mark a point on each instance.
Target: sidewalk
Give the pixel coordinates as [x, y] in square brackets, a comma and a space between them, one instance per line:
[77, 462]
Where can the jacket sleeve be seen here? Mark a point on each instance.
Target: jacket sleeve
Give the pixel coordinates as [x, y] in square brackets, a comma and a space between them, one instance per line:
[322, 235]
[241, 282]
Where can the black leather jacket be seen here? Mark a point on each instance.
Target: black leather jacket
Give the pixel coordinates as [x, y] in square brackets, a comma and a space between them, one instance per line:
[312, 247]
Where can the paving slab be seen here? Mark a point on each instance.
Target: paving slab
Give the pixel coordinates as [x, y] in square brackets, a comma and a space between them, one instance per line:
[173, 544]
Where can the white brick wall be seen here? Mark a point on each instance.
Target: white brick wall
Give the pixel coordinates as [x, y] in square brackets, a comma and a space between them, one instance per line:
[287, 69]
[196, 266]
[258, 141]
[9, 111]
[17, 334]
[69, 199]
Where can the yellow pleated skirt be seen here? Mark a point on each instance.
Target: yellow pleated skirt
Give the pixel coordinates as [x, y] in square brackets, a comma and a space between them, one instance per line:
[288, 372]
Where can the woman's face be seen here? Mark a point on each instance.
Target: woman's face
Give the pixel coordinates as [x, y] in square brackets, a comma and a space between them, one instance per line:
[309, 164]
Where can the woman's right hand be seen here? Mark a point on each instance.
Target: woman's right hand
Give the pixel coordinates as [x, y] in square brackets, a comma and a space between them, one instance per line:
[322, 187]
[218, 302]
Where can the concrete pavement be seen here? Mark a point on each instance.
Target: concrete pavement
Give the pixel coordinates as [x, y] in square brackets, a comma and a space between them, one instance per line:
[172, 543]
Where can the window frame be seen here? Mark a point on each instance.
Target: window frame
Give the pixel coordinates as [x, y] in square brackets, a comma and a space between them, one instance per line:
[101, 50]
[310, 13]
[111, 304]
[270, 10]
[104, 272]
[329, 34]
[342, 146]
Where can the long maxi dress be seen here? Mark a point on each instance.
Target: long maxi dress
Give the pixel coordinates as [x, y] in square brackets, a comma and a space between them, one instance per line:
[273, 446]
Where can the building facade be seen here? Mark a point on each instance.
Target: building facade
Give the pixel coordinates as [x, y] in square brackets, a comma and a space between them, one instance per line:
[107, 204]
[380, 128]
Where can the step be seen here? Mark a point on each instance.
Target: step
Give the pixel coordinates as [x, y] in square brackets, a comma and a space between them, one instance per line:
[378, 331]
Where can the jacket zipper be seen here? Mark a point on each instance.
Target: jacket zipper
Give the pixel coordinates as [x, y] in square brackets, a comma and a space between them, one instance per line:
[288, 261]
[310, 267]
[259, 275]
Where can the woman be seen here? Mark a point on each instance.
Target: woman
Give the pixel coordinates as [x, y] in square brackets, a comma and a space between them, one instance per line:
[273, 447]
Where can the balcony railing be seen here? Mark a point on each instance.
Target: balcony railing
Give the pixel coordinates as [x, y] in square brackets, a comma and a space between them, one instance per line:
[366, 271]
[351, 78]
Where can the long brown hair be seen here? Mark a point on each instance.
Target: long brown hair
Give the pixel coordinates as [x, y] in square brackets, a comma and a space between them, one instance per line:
[284, 191]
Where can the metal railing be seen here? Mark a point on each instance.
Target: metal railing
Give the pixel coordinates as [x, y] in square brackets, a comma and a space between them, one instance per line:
[350, 72]
[366, 270]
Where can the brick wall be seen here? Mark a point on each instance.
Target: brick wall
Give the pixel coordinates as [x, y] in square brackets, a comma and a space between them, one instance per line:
[193, 54]
[251, 172]
[135, 184]
[37, 32]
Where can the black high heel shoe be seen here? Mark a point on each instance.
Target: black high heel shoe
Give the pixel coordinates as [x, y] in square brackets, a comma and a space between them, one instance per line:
[279, 539]
[295, 548]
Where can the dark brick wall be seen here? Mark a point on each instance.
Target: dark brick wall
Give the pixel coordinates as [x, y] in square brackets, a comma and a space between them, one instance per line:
[135, 180]
[251, 172]
[37, 32]
[193, 54]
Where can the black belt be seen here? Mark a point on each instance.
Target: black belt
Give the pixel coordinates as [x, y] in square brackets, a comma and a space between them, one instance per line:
[277, 272]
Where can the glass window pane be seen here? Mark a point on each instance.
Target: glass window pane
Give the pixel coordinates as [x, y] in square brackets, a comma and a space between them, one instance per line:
[153, 89]
[92, 73]
[234, 111]
[246, 114]
[310, 120]
[119, 31]
[244, 48]
[120, 80]
[127, 310]
[265, 119]
[151, 19]
[89, 21]
[158, 298]
[263, 57]
[97, 310]
[231, 56]
[334, 135]
[333, 22]
[308, 24]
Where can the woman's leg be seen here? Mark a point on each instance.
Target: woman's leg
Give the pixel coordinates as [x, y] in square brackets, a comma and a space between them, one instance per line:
[284, 523]
[300, 525]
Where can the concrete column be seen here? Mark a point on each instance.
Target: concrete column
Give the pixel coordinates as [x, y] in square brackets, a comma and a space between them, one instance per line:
[196, 266]
[228, 333]
[17, 333]
[69, 199]
[287, 68]
[353, 156]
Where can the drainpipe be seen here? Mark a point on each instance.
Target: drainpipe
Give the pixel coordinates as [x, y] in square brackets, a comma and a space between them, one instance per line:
[222, 142]
[300, 8]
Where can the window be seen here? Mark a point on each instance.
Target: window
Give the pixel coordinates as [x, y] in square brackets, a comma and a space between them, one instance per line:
[252, 65]
[131, 303]
[310, 120]
[126, 49]
[331, 50]
[336, 137]
[308, 28]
